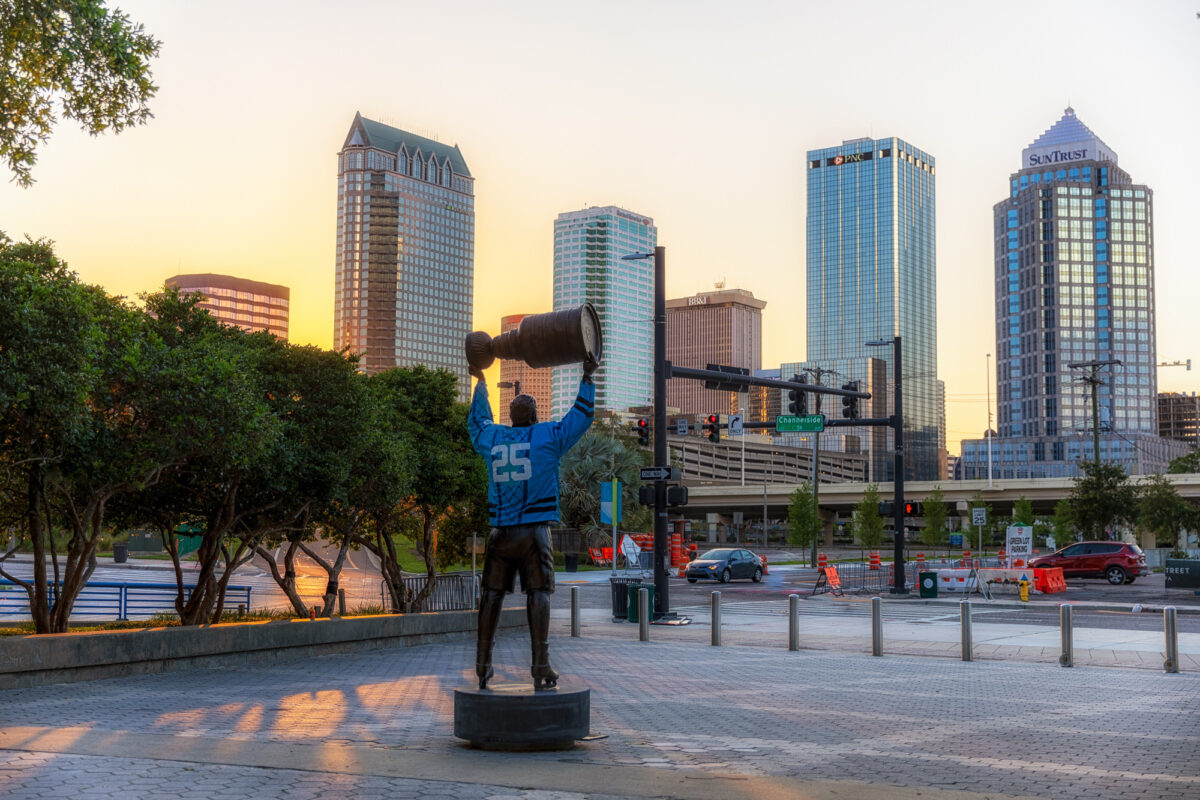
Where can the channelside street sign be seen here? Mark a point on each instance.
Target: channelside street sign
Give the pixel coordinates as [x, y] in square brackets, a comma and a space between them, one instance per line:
[790, 423]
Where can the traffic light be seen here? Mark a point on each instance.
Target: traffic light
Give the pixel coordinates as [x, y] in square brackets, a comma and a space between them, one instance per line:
[886, 508]
[798, 405]
[850, 404]
[642, 428]
[712, 427]
[646, 494]
[677, 496]
[912, 509]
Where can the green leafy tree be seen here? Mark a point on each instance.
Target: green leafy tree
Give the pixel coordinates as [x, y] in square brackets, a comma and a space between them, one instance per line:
[865, 521]
[1185, 464]
[50, 345]
[596, 458]
[91, 62]
[1062, 523]
[1101, 499]
[1161, 511]
[936, 512]
[1023, 512]
[804, 522]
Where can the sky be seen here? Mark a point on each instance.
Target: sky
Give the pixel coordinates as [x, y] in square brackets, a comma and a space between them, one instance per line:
[695, 113]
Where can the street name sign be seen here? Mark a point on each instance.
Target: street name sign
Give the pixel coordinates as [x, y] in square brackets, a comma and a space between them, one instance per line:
[656, 473]
[810, 423]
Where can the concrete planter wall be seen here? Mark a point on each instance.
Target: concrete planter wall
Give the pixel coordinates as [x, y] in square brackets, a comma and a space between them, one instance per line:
[69, 657]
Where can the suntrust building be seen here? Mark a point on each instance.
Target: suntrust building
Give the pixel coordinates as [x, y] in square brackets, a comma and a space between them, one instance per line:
[1074, 285]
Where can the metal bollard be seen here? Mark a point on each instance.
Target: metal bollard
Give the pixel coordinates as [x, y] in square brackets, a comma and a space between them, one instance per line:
[341, 602]
[793, 622]
[575, 611]
[1067, 657]
[1171, 633]
[644, 614]
[715, 604]
[876, 626]
[964, 613]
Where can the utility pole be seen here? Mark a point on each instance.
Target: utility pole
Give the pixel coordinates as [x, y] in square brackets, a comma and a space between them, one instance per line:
[1093, 379]
[816, 373]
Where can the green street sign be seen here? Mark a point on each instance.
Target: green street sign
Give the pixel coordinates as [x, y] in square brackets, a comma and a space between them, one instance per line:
[811, 423]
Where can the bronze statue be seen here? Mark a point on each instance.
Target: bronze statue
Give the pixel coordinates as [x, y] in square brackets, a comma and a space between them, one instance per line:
[522, 461]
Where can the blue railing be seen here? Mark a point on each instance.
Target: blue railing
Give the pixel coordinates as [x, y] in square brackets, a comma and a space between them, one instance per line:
[116, 600]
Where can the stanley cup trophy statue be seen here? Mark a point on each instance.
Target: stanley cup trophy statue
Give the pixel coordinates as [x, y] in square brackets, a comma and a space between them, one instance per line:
[522, 462]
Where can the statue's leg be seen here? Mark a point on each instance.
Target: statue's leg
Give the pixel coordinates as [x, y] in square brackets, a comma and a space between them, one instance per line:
[490, 603]
[537, 610]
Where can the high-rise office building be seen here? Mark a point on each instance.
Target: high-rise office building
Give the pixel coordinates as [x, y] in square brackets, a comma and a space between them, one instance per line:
[1074, 286]
[405, 250]
[588, 246]
[1179, 417]
[723, 327]
[253, 305]
[871, 262]
[517, 377]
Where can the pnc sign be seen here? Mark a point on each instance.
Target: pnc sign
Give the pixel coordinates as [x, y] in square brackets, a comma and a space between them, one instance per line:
[848, 158]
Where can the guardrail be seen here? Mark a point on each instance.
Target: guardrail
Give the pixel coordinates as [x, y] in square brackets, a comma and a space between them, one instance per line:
[122, 601]
[450, 593]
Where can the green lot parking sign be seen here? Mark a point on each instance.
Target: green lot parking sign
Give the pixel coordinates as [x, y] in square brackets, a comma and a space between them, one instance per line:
[810, 423]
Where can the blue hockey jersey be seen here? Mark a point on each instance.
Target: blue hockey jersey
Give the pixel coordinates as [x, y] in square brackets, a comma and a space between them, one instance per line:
[523, 462]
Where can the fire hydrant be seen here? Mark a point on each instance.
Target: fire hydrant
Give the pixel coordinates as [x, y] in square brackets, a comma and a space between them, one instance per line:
[1024, 584]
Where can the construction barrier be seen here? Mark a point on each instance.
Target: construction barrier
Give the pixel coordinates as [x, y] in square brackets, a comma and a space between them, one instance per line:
[921, 560]
[955, 580]
[764, 560]
[822, 561]
[875, 559]
[966, 558]
[676, 548]
[1049, 580]
[1003, 558]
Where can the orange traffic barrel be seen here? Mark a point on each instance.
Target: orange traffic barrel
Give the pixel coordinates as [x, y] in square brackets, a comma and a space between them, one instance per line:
[874, 559]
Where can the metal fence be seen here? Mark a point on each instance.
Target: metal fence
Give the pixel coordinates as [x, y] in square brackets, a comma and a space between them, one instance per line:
[859, 577]
[454, 592]
[121, 601]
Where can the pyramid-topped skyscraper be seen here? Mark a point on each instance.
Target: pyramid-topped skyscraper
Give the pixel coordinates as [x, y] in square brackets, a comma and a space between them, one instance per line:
[1074, 294]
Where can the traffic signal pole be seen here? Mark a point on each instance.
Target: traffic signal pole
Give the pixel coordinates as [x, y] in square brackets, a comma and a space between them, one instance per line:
[898, 581]
[662, 603]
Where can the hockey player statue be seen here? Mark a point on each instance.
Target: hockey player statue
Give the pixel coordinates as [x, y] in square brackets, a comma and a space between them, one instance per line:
[522, 461]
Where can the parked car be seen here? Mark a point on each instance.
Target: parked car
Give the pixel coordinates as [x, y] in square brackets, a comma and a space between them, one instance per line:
[1116, 562]
[725, 564]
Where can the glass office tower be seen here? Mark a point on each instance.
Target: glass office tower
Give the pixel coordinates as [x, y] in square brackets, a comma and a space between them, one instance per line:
[1074, 284]
[588, 246]
[404, 284]
[871, 276]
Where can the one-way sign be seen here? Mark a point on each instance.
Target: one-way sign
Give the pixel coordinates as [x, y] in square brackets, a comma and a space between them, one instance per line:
[658, 473]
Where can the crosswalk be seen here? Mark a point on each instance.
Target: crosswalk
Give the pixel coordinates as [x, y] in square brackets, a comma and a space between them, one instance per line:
[891, 611]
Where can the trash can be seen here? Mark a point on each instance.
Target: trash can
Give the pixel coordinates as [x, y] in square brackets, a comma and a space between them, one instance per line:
[633, 600]
[571, 562]
[620, 597]
[929, 583]
[120, 552]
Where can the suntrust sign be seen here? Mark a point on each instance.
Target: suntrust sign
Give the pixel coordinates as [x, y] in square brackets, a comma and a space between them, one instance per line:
[1060, 154]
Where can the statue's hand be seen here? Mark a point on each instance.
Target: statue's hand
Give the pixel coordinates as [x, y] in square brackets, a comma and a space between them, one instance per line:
[590, 365]
[475, 372]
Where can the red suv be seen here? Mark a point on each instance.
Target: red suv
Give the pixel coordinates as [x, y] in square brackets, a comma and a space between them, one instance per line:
[1114, 561]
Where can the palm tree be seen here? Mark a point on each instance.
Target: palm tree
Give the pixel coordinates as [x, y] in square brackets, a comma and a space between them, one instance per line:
[597, 458]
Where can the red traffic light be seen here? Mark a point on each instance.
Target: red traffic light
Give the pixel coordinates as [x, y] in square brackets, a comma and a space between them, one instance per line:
[713, 419]
[643, 424]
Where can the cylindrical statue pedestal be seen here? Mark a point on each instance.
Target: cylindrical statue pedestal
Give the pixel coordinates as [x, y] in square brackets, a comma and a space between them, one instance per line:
[512, 716]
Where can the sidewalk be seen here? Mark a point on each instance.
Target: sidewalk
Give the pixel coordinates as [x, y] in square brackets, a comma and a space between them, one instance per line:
[681, 719]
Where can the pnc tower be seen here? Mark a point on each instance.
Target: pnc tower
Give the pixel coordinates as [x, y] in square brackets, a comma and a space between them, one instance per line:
[588, 268]
[871, 264]
[405, 270]
[1074, 284]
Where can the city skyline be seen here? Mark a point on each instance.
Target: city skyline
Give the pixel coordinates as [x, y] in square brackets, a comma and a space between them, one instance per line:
[127, 209]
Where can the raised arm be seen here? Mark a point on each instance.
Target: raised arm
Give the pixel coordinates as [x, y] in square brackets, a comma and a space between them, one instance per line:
[480, 418]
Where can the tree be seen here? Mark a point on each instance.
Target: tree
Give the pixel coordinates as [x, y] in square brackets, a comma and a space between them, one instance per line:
[1185, 463]
[804, 521]
[596, 458]
[1101, 499]
[1063, 523]
[1161, 511]
[1023, 512]
[934, 534]
[91, 62]
[866, 522]
[975, 502]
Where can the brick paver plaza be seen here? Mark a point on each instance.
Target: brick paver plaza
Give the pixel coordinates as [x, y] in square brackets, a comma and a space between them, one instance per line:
[682, 719]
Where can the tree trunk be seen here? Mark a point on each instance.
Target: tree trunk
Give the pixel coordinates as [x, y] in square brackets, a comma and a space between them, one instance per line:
[286, 581]
[429, 555]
